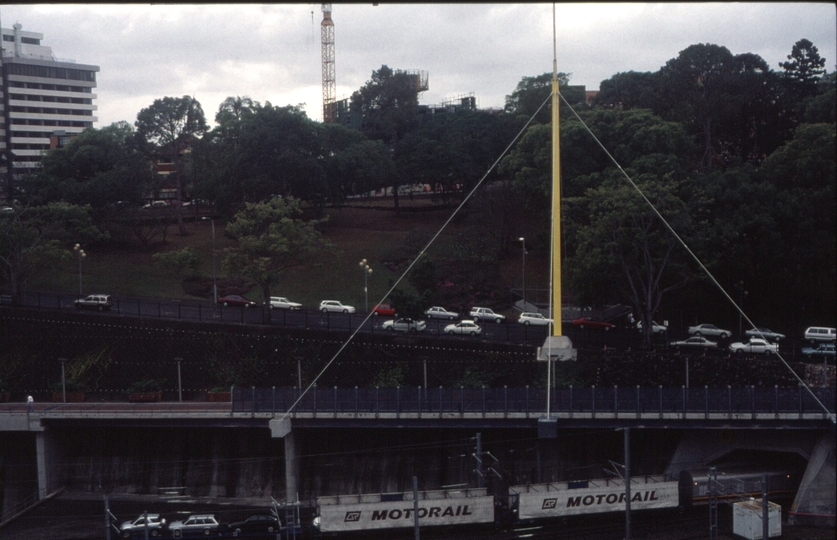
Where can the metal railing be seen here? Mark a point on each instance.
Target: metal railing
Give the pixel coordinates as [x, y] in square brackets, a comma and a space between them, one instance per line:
[658, 401]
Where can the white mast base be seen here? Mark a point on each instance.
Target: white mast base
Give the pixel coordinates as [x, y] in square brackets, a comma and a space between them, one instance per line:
[557, 348]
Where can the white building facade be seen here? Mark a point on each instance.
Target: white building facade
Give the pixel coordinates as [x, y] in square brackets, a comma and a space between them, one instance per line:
[44, 102]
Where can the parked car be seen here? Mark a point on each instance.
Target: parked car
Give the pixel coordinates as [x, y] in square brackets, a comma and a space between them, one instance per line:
[437, 312]
[258, 524]
[137, 526]
[155, 204]
[236, 301]
[817, 333]
[101, 302]
[280, 302]
[755, 346]
[656, 328]
[464, 327]
[823, 349]
[404, 325]
[709, 330]
[486, 314]
[764, 333]
[593, 322]
[384, 309]
[196, 525]
[537, 319]
[696, 342]
[334, 306]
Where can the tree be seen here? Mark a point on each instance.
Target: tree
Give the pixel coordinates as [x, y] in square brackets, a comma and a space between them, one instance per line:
[388, 105]
[531, 93]
[354, 164]
[630, 90]
[99, 167]
[271, 239]
[169, 125]
[694, 91]
[613, 233]
[179, 263]
[35, 239]
[804, 67]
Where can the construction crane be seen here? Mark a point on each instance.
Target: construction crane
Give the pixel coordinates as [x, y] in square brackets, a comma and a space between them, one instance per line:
[329, 81]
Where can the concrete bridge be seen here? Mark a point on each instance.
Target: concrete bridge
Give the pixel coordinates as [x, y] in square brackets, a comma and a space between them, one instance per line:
[60, 441]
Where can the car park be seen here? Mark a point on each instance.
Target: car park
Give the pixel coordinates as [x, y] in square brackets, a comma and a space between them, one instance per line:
[198, 525]
[437, 312]
[592, 322]
[755, 346]
[404, 325]
[823, 349]
[235, 301]
[384, 309]
[486, 314]
[136, 528]
[464, 327]
[764, 333]
[334, 306]
[656, 328]
[280, 302]
[819, 333]
[530, 318]
[696, 342]
[709, 330]
[255, 525]
[99, 302]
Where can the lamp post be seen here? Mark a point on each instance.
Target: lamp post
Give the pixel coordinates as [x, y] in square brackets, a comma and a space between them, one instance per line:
[366, 269]
[63, 381]
[523, 272]
[742, 294]
[80, 254]
[214, 274]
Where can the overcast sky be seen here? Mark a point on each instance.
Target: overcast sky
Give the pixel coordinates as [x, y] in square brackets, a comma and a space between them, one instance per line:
[271, 52]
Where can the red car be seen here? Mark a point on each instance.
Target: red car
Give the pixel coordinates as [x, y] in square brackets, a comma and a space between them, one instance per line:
[594, 323]
[235, 300]
[383, 309]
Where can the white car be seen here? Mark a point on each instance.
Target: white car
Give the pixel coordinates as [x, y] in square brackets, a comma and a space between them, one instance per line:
[464, 327]
[404, 325]
[437, 312]
[764, 333]
[334, 306]
[537, 319]
[695, 343]
[155, 525]
[709, 330]
[280, 302]
[486, 314]
[202, 524]
[755, 346]
[655, 327]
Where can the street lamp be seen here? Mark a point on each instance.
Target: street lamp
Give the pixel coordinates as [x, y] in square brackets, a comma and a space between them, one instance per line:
[80, 254]
[742, 294]
[523, 294]
[366, 269]
[214, 274]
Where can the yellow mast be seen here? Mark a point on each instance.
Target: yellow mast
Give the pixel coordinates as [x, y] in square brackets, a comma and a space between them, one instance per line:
[556, 203]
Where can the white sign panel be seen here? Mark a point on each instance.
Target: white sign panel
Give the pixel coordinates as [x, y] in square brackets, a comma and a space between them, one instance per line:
[390, 515]
[547, 500]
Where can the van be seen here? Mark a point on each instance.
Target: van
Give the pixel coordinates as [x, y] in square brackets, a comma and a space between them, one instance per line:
[817, 333]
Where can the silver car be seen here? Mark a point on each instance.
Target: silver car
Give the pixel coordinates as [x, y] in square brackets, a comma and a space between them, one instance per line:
[280, 302]
[437, 312]
[334, 306]
[528, 318]
[137, 526]
[196, 525]
[709, 330]
[464, 327]
[404, 325]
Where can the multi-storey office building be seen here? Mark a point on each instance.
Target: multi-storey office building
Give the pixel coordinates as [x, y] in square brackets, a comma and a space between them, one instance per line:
[44, 102]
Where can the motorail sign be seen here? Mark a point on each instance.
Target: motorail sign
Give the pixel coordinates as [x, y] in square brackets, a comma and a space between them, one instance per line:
[354, 516]
[566, 499]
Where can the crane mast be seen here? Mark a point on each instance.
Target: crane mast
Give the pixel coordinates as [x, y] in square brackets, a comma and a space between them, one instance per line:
[329, 83]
